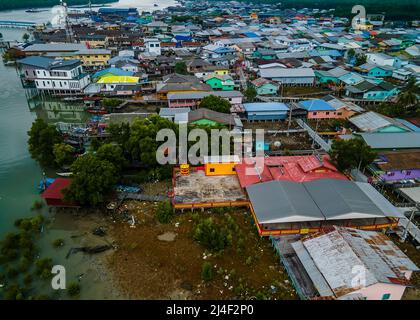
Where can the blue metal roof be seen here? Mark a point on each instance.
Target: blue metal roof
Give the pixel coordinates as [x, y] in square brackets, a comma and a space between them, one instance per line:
[316, 105]
[409, 125]
[265, 106]
[251, 35]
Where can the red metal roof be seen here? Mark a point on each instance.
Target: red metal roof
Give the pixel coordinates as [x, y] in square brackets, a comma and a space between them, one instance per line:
[54, 191]
[289, 168]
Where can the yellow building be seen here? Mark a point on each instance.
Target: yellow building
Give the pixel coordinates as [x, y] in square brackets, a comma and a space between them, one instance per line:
[220, 165]
[94, 57]
[221, 72]
[364, 26]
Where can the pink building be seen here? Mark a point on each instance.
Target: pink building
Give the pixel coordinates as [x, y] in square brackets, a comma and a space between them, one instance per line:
[192, 99]
[333, 109]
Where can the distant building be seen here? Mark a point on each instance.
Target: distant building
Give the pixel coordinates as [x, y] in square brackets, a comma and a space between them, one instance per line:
[299, 76]
[266, 111]
[152, 46]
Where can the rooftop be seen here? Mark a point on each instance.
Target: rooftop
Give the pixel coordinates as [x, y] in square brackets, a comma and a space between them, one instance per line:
[335, 255]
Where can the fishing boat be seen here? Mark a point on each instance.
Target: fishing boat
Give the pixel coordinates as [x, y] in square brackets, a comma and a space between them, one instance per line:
[35, 10]
[97, 111]
[156, 5]
[64, 174]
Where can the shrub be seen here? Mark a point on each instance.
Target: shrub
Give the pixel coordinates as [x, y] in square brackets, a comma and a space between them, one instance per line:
[43, 267]
[73, 289]
[207, 271]
[58, 243]
[164, 212]
[212, 236]
[37, 205]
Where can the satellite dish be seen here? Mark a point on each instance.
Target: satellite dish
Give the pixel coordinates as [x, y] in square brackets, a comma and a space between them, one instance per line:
[277, 144]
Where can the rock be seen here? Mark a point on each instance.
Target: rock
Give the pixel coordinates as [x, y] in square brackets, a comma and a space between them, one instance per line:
[186, 285]
[167, 236]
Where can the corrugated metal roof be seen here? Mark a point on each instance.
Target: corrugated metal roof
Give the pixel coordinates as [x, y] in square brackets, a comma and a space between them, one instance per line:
[286, 73]
[350, 202]
[316, 105]
[370, 121]
[316, 276]
[335, 260]
[265, 106]
[398, 140]
[337, 254]
[282, 201]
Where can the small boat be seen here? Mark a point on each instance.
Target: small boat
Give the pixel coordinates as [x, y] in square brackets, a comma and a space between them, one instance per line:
[156, 5]
[64, 174]
[35, 10]
[97, 111]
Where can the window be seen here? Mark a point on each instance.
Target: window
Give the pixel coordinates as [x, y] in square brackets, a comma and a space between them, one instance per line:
[314, 113]
[327, 113]
[212, 169]
[386, 296]
[233, 169]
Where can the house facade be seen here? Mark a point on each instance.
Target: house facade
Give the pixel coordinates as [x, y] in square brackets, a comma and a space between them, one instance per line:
[218, 82]
[55, 76]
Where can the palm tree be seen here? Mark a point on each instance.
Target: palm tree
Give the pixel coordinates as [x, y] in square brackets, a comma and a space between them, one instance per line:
[409, 95]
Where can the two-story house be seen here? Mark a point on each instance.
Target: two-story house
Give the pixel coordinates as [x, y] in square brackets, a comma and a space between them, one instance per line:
[52, 76]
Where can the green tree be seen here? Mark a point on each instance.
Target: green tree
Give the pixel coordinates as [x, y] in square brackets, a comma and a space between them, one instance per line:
[120, 133]
[212, 236]
[351, 54]
[250, 93]
[142, 143]
[215, 103]
[111, 102]
[93, 179]
[113, 154]
[350, 154]
[42, 138]
[181, 68]
[64, 154]
[43, 267]
[164, 212]
[409, 95]
[360, 59]
[26, 37]
[207, 271]
[73, 289]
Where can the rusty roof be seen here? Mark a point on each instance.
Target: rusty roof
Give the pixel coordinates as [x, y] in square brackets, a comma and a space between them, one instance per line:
[340, 253]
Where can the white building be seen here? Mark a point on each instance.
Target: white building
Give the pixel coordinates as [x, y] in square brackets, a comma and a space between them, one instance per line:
[152, 46]
[55, 76]
[382, 59]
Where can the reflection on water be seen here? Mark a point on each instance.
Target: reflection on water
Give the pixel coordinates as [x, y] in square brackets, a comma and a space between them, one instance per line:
[56, 111]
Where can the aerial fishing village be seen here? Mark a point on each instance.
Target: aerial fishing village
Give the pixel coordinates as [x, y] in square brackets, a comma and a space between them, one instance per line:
[334, 185]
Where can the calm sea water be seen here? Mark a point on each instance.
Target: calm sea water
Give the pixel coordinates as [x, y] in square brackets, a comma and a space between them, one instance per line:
[18, 172]
[20, 175]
